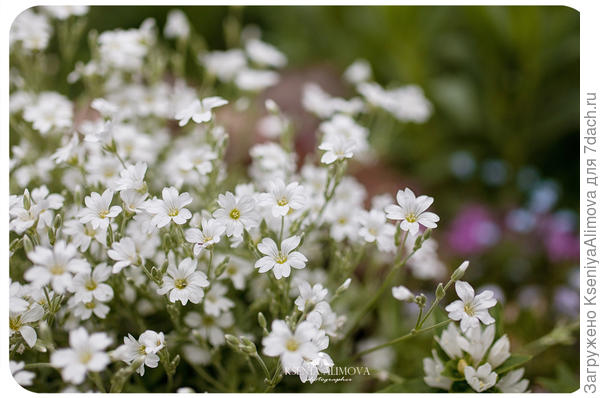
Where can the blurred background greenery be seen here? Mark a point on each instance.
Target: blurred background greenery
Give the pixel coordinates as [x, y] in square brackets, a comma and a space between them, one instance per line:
[504, 83]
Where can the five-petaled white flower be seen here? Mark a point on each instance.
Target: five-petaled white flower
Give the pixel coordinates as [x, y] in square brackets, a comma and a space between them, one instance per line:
[199, 111]
[88, 285]
[471, 309]
[170, 208]
[98, 210]
[293, 348]
[281, 261]
[337, 148]
[86, 353]
[481, 379]
[184, 283]
[411, 211]
[209, 235]
[235, 213]
[146, 349]
[283, 198]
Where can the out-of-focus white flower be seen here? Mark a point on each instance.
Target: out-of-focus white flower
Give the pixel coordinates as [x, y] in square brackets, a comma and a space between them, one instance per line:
[224, 64]
[132, 177]
[86, 353]
[337, 148]
[23, 377]
[433, 373]
[215, 301]
[255, 80]
[448, 340]
[265, 54]
[411, 211]
[402, 293]
[49, 111]
[499, 352]
[170, 208]
[471, 309]
[200, 111]
[317, 101]
[513, 382]
[374, 228]
[64, 12]
[407, 104]
[309, 295]
[184, 282]
[359, 71]
[98, 210]
[18, 321]
[210, 327]
[32, 30]
[123, 49]
[280, 260]
[177, 25]
[481, 379]
[477, 342]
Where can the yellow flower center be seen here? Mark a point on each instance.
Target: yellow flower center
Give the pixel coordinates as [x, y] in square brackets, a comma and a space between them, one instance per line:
[103, 214]
[462, 364]
[410, 217]
[235, 214]
[90, 285]
[469, 310]
[15, 323]
[173, 212]
[57, 269]
[292, 345]
[180, 283]
[85, 357]
[282, 202]
[209, 320]
[232, 270]
[90, 306]
[281, 258]
[142, 350]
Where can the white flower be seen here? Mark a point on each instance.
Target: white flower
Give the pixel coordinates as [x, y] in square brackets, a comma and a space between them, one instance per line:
[18, 320]
[281, 261]
[177, 25]
[23, 377]
[125, 253]
[33, 30]
[170, 208]
[215, 301]
[449, 341]
[98, 210]
[477, 342]
[199, 111]
[64, 12]
[184, 283]
[132, 177]
[209, 235]
[237, 269]
[49, 111]
[471, 309]
[86, 353]
[291, 348]
[283, 199]
[55, 266]
[401, 293]
[265, 54]
[146, 349]
[123, 49]
[481, 379]
[374, 228]
[513, 382]
[88, 285]
[337, 148]
[224, 64]
[309, 295]
[210, 327]
[499, 352]
[84, 310]
[411, 211]
[433, 373]
[235, 213]
[255, 80]
[359, 71]
[133, 201]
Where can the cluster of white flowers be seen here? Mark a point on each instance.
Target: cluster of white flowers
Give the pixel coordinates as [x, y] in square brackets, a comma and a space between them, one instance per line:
[123, 214]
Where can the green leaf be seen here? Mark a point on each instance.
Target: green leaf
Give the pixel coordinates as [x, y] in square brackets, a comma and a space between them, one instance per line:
[564, 381]
[512, 363]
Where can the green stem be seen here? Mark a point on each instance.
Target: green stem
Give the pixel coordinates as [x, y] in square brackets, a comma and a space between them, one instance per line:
[95, 376]
[412, 333]
[433, 305]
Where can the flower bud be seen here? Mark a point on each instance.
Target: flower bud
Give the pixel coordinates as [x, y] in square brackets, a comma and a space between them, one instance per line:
[27, 245]
[439, 291]
[26, 200]
[262, 321]
[271, 106]
[232, 340]
[343, 287]
[460, 271]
